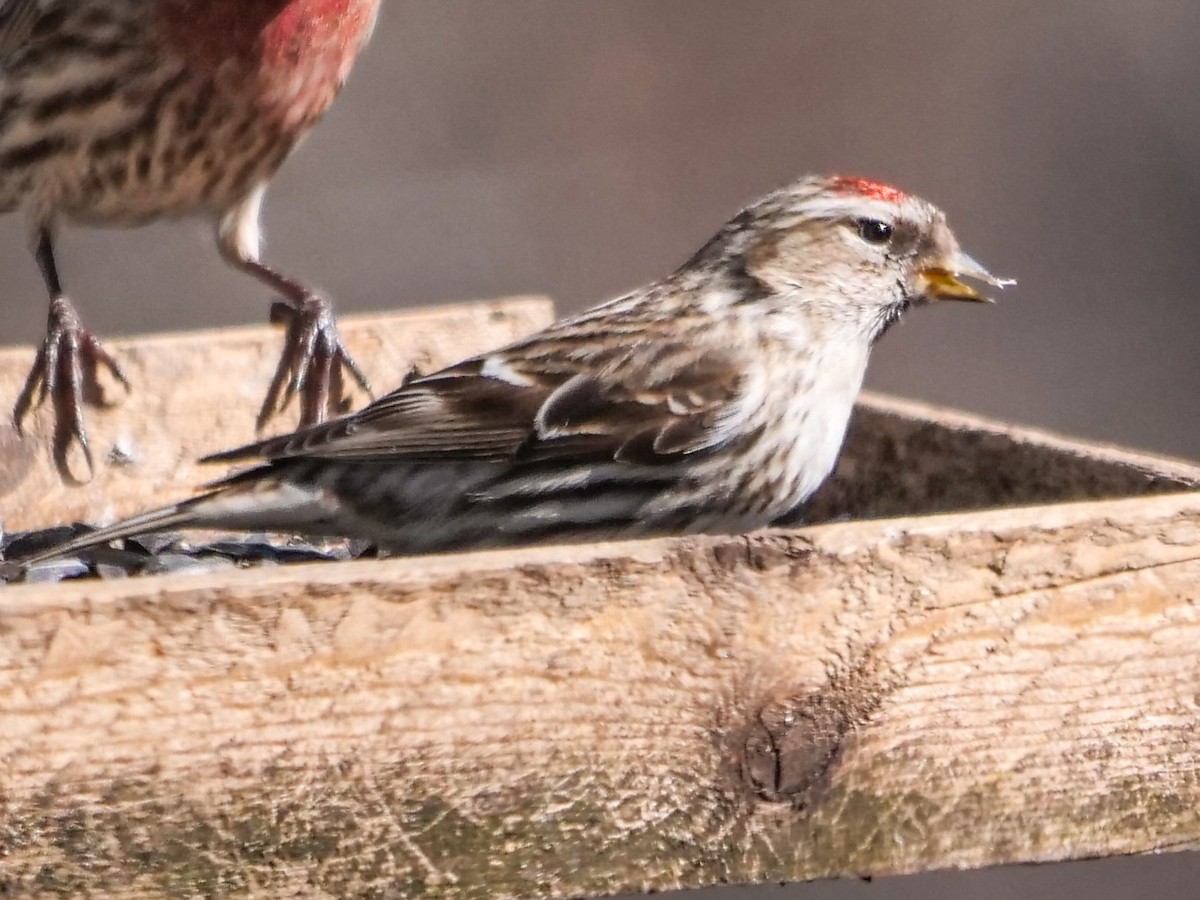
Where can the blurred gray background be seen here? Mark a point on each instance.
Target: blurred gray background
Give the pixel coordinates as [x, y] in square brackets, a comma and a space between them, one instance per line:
[580, 149]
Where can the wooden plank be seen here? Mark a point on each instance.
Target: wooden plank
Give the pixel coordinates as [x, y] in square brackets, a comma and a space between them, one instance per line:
[903, 458]
[859, 698]
[198, 392]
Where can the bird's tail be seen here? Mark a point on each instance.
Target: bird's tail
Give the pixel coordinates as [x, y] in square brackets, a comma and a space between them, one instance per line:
[241, 505]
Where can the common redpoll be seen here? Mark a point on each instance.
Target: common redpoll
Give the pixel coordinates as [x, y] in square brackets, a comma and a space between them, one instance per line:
[714, 400]
[117, 112]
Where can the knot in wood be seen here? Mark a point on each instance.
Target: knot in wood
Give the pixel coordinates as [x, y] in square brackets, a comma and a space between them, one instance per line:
[791, 746]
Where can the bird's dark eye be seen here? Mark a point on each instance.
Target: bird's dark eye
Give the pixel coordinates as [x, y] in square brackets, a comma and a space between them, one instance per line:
[873, 231]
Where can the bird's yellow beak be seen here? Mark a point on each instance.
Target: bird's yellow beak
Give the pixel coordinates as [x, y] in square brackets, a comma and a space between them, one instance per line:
[944, 281]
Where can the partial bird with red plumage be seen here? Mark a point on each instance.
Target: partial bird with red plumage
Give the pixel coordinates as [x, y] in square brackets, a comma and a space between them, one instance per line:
[120, 112]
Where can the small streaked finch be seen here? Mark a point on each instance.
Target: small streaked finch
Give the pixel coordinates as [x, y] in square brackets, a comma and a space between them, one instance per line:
[715, 400]
[117, 112]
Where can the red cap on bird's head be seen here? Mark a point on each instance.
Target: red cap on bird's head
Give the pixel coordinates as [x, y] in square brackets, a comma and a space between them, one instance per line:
[875, 190]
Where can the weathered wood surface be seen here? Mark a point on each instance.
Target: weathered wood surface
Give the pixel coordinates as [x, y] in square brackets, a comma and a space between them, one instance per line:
[198, 392]
[857, 698]
[887, 696]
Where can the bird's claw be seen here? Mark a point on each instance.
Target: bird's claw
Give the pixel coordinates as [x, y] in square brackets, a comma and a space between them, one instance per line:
[313, 364]
[66, 371]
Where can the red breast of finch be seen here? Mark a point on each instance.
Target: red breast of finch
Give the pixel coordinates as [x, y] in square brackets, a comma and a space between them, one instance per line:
[714, 400]
[118, 112]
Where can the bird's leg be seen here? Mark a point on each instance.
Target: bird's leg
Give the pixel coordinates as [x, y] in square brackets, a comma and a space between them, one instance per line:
[314, 361]
[66, 370]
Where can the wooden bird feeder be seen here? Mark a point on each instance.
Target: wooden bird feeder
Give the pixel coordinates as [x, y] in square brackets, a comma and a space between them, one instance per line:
[989, 654]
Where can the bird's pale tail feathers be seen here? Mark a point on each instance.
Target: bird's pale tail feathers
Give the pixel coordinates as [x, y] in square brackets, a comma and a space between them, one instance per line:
[243, 506]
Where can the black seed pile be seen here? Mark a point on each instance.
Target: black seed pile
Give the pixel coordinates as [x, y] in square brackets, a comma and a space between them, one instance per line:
[160, 553]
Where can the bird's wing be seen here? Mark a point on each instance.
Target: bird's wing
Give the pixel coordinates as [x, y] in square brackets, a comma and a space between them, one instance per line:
[17, 18]
[643, 406]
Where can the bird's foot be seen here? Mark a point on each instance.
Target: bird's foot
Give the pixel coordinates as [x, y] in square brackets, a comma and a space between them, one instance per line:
[67, 370]
[314, 364]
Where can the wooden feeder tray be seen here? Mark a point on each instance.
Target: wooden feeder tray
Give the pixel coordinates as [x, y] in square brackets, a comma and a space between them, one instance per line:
[989, 653]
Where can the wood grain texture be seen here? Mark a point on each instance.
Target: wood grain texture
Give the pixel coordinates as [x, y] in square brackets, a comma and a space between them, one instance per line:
[198, 392]
[856, 698]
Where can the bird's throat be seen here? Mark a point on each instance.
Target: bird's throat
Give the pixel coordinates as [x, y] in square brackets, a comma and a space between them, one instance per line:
[288, 57]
